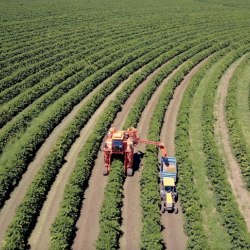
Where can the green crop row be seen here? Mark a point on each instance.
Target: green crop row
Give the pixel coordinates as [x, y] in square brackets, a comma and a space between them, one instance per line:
[21, 121]
[189, 200]
[31, 205]
[12, 168]
[150, 200]
[63, 229]
[37, 71]
[146, 94]
[81, 49]
[96, 61]
[226, 205]
[87, 67]
[16, 49]
[26, 51]
[106, 228]
[23, 72]
[14, 64]
[76, 54]
[236, 135]
[110, 213]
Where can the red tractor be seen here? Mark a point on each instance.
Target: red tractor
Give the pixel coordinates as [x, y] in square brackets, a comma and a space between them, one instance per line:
[122, 142]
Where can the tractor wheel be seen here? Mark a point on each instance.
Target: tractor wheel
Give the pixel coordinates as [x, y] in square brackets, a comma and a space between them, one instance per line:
[162, 207]
[129, 171]
[176, 210]
[105, 171]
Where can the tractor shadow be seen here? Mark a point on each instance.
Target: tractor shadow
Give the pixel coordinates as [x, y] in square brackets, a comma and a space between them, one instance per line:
[137, 160]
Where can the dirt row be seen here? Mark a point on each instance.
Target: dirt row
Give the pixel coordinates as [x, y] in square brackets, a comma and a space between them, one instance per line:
[242, 196]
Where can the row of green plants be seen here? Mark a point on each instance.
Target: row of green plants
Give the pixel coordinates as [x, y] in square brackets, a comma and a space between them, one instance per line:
[16, 47]
[193, 224]
[89, 65]
[76, 54]
[10, 66]
[236, 135]
[21, 121]
[20, 51]
[226, 205]
[12, 168]
[69, 79]
[150, 202]
[146, 94]
[106, 229]
[80, 49]
[34, 200]
[75, 40]
[63, 229]
[110, 217]
[67, 142]
[37, 46]
[53, 57]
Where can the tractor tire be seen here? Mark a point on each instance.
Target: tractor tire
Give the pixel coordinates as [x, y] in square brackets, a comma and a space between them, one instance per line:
[105, 172]
[176, 210]
[130, 172]
[162, 207]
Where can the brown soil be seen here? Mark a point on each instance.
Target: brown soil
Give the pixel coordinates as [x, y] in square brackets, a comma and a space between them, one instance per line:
[131, 210]
[173, 232]
[242, 196]
[8, 211]
[88, 226]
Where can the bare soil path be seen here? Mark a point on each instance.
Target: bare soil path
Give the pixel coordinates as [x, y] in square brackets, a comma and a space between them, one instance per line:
[131, 210]
[173, 232]
[242, 196]
[8, 211]
[88, 223]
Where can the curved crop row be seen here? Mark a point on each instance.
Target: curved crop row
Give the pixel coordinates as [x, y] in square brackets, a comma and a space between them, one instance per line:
[109, 234]
[35, 47]
[236, 136]
[89, 65]
[189, 200]
[76, 41]
[62, 233]
[225, 202]
[110, 213]
[151, 225]
[20, 45]
[80, 45]
[22, 73]
[31, 206]
[21, 121]
[31, 80]
[18, 62]
[53, 159]
[23, 154]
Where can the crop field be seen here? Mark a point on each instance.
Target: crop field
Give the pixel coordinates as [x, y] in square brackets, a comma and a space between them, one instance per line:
[177, 70]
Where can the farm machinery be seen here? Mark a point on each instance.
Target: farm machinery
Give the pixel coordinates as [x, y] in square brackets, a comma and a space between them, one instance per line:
[168, 176]
[123, 142]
